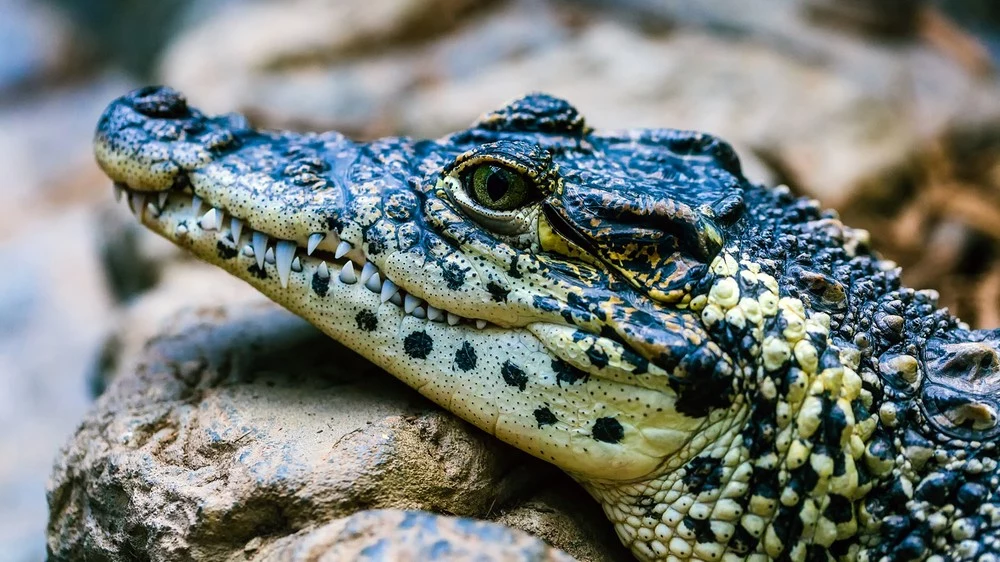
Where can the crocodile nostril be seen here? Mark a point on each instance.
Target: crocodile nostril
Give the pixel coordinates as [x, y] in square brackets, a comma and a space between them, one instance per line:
[159, 101]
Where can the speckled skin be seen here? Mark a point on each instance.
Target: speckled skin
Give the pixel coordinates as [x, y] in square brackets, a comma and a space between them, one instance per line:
[728, 369]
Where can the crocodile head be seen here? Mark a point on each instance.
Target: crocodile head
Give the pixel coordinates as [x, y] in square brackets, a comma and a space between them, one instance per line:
[726, 368]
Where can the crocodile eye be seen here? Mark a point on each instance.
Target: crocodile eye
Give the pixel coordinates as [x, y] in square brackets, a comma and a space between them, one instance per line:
[497, 188]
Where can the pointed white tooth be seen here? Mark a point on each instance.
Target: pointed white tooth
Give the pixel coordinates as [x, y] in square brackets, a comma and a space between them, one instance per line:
[419, 312]
[137, 202]
[152, 209]
[181, 229]
[162, 201]
[480, 324]
[284, 252]
[347, 275]
[259, 241]
[396, 300]
[314, 239]
[119, 190]
[367, 271]
[211, 220]
[342, 249]
[434, 313]
[269, 256]
[248, 251]
[323, 271]
[411, 302]
[236, 226]
[374, 284]
[195, 206]
[453, 319]
[296, 264]
[388, 289]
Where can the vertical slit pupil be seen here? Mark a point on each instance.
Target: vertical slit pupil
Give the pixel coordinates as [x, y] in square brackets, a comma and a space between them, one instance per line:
[497, 185]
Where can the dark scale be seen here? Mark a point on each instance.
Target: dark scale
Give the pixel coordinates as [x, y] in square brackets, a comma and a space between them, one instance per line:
[465, 357]
[366, 320]
[320, 285]
[513, 375]
[544, 416]
[608, 430]
[418, 345]
[225, 250]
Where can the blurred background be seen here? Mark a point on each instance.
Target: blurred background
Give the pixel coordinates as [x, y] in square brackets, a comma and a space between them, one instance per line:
[887, 110]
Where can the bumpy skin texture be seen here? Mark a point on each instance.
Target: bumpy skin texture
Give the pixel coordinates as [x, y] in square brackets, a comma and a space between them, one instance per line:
[728, 369]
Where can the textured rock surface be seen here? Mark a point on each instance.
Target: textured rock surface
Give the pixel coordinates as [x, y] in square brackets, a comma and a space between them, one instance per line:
[410, 536]
[244, 424]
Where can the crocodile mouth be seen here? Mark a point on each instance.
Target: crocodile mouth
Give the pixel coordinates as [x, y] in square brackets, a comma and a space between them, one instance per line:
[181, 216]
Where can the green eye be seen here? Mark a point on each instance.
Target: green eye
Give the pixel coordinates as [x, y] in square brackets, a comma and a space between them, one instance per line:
[498, 188]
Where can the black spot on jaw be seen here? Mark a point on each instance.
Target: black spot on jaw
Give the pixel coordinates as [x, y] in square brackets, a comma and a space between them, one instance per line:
[334, 224]
[566, 373]
[597, 357]
[465, 357]
[418, 345]
[454, 276]
[225, 251]
[513, 375]
[498, 293]
[544, 416]
[608, 430]
[366, 320]
[257, 272]
[320, 285]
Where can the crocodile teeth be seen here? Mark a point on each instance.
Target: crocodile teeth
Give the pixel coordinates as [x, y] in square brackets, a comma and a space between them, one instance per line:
[284, 254]
[296, 264]
[195, 206]
[119, 190]
[236, 226]
[152, 209]
[419, 312]
[480, 324]
[374, 284]
[342, 249]
[162, 199]
[181, 229]
[388, 290]
[347, 275]
[314, 239]
[396, 300]
[410, 303]
[259, 241]
[367, 271]
[137, 202]
[453, 319]
[323, 271]
[269, 256]
[434, 313]
[211, 220]
[248, 251]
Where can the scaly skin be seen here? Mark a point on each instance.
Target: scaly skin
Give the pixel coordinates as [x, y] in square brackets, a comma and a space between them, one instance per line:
[729, 370]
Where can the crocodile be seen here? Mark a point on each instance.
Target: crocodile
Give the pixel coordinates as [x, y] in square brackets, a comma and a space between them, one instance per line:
[727, 368]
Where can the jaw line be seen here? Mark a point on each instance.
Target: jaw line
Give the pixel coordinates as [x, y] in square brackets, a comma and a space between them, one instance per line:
[176, 222]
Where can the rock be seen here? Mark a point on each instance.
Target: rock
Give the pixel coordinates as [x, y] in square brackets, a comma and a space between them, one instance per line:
[226, 56]
[244, 424]
[410, 535]
[55, 312]
[37, 45]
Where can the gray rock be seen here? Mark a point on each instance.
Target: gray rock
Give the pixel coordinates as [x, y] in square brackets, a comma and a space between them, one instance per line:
[409, 536]
[244, 424]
